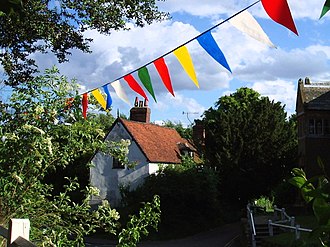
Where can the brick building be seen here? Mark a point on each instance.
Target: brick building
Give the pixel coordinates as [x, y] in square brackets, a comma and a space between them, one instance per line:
[313, 117]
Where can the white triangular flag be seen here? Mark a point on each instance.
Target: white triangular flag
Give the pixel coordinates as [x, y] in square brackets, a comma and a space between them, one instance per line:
[120, 91]
[246, 23]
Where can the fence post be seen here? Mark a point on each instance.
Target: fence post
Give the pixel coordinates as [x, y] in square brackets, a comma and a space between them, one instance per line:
[270, 228]
[292, 221]
[18, 228]
[297, 232]
[283, 214]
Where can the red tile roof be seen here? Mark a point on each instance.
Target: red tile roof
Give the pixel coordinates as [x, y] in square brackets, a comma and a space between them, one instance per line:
[158, 143]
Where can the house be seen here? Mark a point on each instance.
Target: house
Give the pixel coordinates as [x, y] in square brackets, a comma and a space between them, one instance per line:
[151, 145]
[313, 117]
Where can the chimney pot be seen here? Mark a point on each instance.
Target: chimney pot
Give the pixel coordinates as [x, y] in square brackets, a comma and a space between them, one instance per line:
[307, 81]
[140, 112]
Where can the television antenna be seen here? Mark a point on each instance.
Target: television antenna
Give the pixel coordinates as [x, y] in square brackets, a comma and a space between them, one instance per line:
[189, 113]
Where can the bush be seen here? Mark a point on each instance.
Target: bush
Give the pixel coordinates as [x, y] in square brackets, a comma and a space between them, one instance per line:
[189, 198]
[284, 194]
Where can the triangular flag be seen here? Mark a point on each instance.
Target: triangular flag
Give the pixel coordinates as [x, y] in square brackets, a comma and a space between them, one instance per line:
[99, 97]
[135, 86]
[85, 104]
[146, 81]
[182, 54]
[246, 23]
[280, 12]
[164, 74]
[109, 99]
[120, 91]
[326, 8]
[210, 46]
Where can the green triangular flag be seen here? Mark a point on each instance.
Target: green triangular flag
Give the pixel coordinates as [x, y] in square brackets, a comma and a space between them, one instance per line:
[145, 79]
[326, 8]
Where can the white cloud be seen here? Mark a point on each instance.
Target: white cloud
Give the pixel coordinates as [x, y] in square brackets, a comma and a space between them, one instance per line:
[272, 72]
[279, 91]
[204, 8]
[284, 64]
[210, 8]
[176, 108]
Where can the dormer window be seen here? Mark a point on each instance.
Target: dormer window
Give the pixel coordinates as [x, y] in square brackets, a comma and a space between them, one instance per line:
[185, 150]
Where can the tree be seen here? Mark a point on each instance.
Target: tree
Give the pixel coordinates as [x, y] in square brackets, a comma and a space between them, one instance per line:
[250, 142]
[42, 131]
[34, 26]
[183, 132]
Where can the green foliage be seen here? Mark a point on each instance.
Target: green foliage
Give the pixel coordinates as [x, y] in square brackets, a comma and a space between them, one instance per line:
[316, 190]
[189, 195]
[284, 194]
[184, 132]
[250, 142]
[34, 26]
[41, 137]
[149, 216]
[265, 203]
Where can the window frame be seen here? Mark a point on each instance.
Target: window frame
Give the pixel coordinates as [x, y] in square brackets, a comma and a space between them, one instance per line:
[116, 164]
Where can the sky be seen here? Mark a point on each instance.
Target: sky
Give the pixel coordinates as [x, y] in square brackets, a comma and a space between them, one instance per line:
[271, 72]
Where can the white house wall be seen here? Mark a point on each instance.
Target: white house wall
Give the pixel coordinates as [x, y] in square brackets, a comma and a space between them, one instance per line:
[109, 180]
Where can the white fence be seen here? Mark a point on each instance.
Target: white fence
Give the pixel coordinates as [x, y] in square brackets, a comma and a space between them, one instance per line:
[283, 222]
[18, 233]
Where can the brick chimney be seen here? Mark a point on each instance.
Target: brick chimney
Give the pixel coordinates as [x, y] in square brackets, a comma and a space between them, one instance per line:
[140, 112]
[199, 134]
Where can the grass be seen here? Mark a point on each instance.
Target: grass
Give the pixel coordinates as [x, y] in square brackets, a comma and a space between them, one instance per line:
[288, 239]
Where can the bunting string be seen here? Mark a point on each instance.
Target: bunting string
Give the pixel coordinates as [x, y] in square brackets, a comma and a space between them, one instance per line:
[277, 10]
[187, 42]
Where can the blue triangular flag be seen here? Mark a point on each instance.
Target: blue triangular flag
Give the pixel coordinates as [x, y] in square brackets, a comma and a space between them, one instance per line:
[109, 99]
[211, 47]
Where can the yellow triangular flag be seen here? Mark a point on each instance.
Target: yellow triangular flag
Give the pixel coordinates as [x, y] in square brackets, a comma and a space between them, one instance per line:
[182, 54]
[99, 97]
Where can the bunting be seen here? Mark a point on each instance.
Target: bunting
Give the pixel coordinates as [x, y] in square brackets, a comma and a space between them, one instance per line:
[182, 54]
[325, 8]
[279, 11]
[246, 23]
[164, 74]
[120, 91]
[146, 81]
[210, 46]
[85, 104]
[109, 99]
[133, 84]
[99, 97]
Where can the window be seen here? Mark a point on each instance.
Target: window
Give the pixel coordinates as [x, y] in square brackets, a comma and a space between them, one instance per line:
[311, 126]
[116, 164]
[325, 127]
[318, 127]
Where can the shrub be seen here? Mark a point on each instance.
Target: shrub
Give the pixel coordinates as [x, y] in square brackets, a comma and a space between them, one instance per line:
[189, 198]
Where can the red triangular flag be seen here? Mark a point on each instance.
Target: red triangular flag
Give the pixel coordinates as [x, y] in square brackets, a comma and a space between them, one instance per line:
[279, 11]
[85, 104]
[164, 74]
[135, 85]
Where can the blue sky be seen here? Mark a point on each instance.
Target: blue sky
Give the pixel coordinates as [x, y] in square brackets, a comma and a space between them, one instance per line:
[271, 72]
